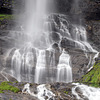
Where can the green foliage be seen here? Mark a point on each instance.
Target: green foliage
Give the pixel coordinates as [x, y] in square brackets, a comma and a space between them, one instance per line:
[7, 86]
[6, 16]
[92, 78]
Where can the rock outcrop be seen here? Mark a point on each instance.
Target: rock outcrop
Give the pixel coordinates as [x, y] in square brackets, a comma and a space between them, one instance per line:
[92, 77]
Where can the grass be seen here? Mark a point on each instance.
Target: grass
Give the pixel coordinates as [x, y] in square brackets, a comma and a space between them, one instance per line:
[92, 78]
[5, 86]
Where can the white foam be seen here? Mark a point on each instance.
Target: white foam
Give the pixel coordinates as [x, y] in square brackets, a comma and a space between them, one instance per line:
[89, 92]
[42, 92]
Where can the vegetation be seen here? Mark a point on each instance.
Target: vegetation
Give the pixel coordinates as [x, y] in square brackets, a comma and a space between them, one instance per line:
[6, 16]
[92, 78]
[8, 87]
[66, 92]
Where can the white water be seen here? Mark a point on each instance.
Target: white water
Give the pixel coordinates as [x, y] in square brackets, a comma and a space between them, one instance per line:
[16, 65]
[42, 92]
[22, 63]
[40, 66]
[64, 70]
[26, 89]
[88, 92]
[77, 35]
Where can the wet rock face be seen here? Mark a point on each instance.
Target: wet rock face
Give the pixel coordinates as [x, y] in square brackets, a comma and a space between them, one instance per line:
[63, 6]
[93, 32]
[91, 12]
[90, 9]
[79, 63]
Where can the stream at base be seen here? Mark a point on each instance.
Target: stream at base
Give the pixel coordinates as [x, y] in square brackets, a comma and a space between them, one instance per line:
[84, 92]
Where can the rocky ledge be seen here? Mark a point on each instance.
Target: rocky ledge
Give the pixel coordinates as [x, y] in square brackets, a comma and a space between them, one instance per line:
[14, 90]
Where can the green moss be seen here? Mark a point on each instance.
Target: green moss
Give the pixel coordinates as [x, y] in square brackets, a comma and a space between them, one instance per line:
[6, 16]
[7, 86]
[66, 92]
[92, 78]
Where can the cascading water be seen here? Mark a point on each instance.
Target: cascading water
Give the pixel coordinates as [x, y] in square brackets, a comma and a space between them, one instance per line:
[22, 63]
[40, 67]
[30, 61]
[87, 92]
[43, 92]
[64, 71]
[16, 64]
[34, 63]
[41, 58]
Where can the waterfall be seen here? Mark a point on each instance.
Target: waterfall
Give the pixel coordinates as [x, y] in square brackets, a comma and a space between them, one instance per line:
[35, 11]
[40, 67]
[16, 65]
[22, 63]
[46, 61]
[41, 57]
[64, 70]
[35, 23]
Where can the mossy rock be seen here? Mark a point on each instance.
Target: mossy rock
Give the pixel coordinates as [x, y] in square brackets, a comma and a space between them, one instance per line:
[7, 86]
[92, 78]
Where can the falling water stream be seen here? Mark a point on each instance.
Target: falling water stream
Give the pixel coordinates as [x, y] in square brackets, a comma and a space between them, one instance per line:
[40, 67]
[64, 71]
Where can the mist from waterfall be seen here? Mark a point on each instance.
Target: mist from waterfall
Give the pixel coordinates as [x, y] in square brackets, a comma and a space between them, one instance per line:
[35, 12]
